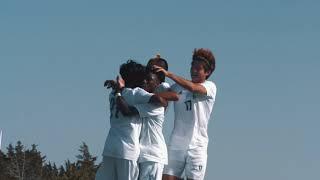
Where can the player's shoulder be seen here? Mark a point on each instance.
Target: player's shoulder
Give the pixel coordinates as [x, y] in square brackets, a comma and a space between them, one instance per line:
[139, 93]
[165, 85]
[132, 90]
[137, 89]
[211, 87]
[149, 109]
[210, 83]
[175, 86]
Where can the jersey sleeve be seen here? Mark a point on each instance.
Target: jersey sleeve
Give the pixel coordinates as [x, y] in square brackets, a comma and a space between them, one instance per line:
[136, 95]
[163, 87]
[210, 87]
[147, 110]
[175, 88]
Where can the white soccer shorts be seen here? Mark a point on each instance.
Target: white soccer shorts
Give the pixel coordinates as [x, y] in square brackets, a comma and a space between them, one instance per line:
[150, 170]
[117, 169]
[192, 162]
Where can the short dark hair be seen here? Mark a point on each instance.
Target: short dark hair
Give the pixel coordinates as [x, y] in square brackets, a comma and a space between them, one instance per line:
[207, 57]
[133, 73]
[159, 62]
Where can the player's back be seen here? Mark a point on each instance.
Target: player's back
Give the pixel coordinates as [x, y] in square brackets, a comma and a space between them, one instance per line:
[123, 137]
[152, 142]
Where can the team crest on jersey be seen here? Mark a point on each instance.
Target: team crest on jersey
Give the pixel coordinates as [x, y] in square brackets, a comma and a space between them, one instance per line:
[198, 168]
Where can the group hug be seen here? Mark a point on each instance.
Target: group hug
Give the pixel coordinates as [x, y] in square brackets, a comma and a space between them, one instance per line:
[135, 148]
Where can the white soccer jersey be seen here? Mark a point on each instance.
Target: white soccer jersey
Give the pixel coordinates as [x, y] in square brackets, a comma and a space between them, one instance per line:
[123, 137]
[163, 87]
[192, 113]
[152, 143]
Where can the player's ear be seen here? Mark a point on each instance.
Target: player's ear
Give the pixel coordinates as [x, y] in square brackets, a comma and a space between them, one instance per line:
[207, 73]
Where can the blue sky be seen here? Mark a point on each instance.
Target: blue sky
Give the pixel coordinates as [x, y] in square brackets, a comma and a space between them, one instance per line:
[55, 56]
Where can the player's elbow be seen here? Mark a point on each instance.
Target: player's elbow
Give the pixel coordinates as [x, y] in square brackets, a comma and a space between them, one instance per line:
[125, 113]
[199, 89]
[175, 97]
[155, 99]
[193, 88]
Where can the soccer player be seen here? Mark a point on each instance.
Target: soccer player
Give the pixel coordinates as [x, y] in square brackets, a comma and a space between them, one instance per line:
[159, 61]
[153, 150]
[187, 149]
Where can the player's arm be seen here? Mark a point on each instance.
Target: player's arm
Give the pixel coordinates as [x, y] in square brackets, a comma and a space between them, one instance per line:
[169, 95]
[124, 108]
[127, 110]
[158, 100]
[122, 105]
[189, 85]
[142, 95]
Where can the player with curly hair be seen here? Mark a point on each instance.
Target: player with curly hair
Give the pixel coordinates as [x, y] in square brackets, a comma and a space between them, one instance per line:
[187, 149]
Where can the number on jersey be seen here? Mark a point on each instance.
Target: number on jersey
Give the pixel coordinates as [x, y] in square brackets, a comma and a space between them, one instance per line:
[188, 105]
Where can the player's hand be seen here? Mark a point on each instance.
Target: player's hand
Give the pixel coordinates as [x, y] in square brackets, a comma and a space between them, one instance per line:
[159, 69]
[120, 83]
[110, 84]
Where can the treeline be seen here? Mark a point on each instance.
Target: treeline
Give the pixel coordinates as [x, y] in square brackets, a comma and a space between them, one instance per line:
[20, 163]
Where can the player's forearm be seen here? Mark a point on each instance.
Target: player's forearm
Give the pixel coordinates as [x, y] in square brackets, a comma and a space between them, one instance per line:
[124, 108]
[189, 85]
[155, 99]
[169, 95]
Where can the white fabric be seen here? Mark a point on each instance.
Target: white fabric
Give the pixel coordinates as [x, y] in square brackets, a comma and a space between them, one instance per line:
[192, 114]
[117, 169]
[152, 143]
[123, 137]
[163, 87]
[150, 171]
[192, 162]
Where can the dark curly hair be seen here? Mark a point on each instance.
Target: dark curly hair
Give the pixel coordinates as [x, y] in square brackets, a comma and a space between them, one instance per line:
[207, 57]
[159, 62]
[133, 73]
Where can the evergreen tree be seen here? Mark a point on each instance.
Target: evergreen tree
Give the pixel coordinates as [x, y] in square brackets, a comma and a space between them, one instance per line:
[3, 167]
[16, 162]
[9, 169]
[86, 163]
[34, 163]
[55, 171]
[61, 171]
[20, 163]
[71, 171]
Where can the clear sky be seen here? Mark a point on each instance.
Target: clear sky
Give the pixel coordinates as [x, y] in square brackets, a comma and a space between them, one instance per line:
[55, 56]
